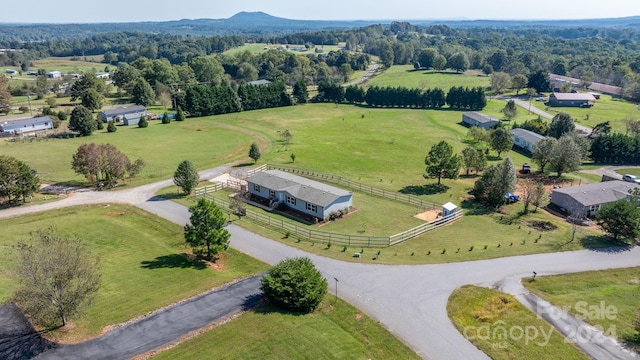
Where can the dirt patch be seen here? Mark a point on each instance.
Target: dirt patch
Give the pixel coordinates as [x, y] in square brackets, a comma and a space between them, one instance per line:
[542, 225]
[219, 265]
[429, 215]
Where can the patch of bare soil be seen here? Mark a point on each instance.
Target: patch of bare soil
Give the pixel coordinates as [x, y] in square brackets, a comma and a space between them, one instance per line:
[429, 215]
[218, 265]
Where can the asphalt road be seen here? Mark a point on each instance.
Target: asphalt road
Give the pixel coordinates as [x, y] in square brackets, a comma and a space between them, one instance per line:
[525, 104]
[164, 327]
[409, 300]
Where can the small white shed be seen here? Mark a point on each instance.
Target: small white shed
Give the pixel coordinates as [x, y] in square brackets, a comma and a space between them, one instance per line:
[449, 209]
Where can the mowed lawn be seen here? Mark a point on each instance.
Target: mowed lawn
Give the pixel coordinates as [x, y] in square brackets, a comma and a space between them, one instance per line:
[504, 329]
[333, 331]
[607, 298]
[405, 75]
[162, 146]
[142, 265]
[616, 111]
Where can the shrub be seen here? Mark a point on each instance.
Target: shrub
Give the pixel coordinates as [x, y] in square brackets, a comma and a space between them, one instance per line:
[111, 127]
[62, 115]
[23, 109]
[99, 125]
[180, 114]
[165, 118]
[295, 284]
[143, 123]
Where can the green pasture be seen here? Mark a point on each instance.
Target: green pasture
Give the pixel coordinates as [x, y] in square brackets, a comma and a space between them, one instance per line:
[481, 314]
[405, 75]
[142, 263]
[616, 111]
[333, 330]
[633, 171]
[606, 298]
[257, 48]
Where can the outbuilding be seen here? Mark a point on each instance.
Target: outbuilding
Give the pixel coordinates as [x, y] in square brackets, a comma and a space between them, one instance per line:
[53, 75]
[479, 120]
[299, 193]
[571, 99]
[128, 115]
[27, 126]
[525, 139]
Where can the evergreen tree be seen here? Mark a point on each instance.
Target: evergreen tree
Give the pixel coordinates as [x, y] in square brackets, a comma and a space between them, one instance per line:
[254, 152]
[180, 114]
[442, 162]
[186, 177]
[111, 127]
[82, 121]
[300, 92]
[205, 232]
[143, 123]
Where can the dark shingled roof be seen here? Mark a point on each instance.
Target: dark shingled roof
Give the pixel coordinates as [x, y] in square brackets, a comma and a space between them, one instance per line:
[301, 188]
[598, 193]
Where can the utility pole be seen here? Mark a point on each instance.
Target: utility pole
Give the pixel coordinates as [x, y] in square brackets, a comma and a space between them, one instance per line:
[336, 279]
[29, 100]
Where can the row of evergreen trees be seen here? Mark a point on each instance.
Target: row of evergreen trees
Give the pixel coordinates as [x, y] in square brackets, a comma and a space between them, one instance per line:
[458, 98]
[616, 149]
[203, 100]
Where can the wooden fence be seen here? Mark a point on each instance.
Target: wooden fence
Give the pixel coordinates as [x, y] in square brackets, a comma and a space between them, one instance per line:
[304, 232]
[388, 194]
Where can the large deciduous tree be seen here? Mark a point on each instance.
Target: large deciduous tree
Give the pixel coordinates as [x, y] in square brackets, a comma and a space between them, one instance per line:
[459, 62]
[510, 110]
[542, 151]
[620, 219]
[566, 155]
[539, 81]
[186, 177]
[495, 183]
[206, 233]
[103, 164]
[142, 93]
[561, 124]
[500, 140]
[518, 82]
[295, 284]
[207, 69]
[5, 95]
[473, 159]
[442, 162]
[17, 180]
[499, 82]
[57, 276]
[82, 121]
[300, 93]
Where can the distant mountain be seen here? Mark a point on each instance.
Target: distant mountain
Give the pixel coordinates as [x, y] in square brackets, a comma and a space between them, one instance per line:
[260, 23]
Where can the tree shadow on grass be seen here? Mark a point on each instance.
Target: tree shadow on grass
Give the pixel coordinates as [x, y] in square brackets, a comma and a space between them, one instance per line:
[605, 244]
[244, 164]
[265, 308]
[427, 189]
[475, 208]
[173, 261]
[169, 196]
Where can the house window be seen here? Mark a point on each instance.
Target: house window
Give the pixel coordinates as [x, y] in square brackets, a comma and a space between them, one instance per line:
[311, 207]
[256, 187]
[272, 194]
[291, 200]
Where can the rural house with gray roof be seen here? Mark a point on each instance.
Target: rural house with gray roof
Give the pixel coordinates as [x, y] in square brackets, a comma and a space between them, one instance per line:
[128, 115]
[525, 139]
[26, 126]
[479, 120]
[298, 193]
[591, 197]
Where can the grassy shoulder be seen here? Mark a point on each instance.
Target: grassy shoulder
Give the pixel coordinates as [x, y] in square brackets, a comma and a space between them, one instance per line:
[503, 328]
[142, 258]
[333, 330]
[607, 298]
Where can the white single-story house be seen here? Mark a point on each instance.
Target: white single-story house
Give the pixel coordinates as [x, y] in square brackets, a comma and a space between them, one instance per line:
[570, 99]
[26, 126]
[259, 82]
[53, 75]
[102, 75]
[525, 139]
[590, 197]
[304, 195]
[479, 120]
[128, 115]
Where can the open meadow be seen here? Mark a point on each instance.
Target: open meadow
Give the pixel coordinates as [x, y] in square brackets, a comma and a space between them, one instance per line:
[257, 48]
[142, 263]
[405, 75]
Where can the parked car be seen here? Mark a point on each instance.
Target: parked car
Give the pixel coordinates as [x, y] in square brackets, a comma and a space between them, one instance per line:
[541, 98]
[511, 198]
[587, 105]
[631, 178]
[526, 168]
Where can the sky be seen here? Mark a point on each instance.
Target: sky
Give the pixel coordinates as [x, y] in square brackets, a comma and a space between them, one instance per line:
[66, 11]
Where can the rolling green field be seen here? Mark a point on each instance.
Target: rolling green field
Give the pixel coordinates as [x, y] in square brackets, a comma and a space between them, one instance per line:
[605, 109]
[632, 171]
[607, 298]
[142, 265]
[333, 331]
[404, 75]
[480, 313]
[66, 65]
